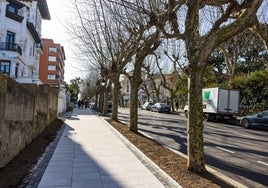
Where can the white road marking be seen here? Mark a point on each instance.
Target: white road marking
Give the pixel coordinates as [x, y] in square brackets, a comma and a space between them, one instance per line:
[224, 149]
[263, 163]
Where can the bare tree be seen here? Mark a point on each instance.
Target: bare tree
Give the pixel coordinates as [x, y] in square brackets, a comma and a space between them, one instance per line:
[88, 85]
[105, 41]
[234, 18]
[241, 51]
[147, 45]
[144, 40]
[187, 21]
[174, 52]
[152, 83]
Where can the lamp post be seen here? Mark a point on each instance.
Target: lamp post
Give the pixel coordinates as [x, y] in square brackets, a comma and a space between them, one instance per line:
[97, 96]
[105, 97]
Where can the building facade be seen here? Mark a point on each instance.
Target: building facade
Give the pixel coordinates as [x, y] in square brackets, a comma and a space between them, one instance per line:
[51, 66]
[147, 91]
[20, 42]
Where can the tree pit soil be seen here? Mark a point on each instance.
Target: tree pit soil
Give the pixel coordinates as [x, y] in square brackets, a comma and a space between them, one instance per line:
[19, 168]
[173, 164]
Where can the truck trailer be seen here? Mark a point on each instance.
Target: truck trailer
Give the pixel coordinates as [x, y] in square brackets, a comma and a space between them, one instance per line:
[219, 103]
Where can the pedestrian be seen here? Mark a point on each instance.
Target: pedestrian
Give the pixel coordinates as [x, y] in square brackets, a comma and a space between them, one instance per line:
[79, 104]
[177, 106]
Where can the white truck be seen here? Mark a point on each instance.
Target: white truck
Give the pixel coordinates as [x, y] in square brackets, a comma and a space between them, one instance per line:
[219, 103]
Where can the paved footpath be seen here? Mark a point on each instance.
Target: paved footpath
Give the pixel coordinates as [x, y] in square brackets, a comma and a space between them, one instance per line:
[90, 154]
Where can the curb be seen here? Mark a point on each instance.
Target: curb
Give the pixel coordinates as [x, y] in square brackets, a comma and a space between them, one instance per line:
[38, 171]
[162, 176]
[226, 179]
[41, 166]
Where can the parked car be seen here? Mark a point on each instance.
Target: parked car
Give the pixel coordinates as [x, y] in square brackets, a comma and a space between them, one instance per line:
[92, 105]
[258, 120]
[110, 106]
[160, 107]
[185, 110]
[147, 106]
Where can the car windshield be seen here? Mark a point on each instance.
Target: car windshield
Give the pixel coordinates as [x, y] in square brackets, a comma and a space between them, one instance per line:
[264, 113]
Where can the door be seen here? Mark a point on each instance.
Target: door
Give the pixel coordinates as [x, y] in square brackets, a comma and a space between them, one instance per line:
[264, 119]
[10, 40]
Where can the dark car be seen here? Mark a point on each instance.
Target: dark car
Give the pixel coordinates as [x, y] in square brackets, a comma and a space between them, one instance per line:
[147, 106]
[110, 106]
[160, 107]
[92, 105]
[258, 120]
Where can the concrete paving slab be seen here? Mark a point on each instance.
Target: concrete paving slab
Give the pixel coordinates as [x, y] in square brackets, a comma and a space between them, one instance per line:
[90, 154]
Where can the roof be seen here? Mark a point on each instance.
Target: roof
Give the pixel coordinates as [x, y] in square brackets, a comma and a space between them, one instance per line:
[43, 8]
[17, 3]
[42, 5]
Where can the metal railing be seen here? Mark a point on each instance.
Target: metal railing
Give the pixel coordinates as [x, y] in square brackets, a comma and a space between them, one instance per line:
[11, 47]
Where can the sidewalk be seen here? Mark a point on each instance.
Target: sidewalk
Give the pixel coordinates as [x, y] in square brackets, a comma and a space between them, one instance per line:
[91, 154]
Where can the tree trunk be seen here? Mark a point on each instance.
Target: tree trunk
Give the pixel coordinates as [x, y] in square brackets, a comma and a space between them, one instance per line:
[105, 101]
[133, 121]
[172, 97]
[116, 91]
[195, 126]
[135, 82]
[157, 96]
[100, 102]
[96, 101]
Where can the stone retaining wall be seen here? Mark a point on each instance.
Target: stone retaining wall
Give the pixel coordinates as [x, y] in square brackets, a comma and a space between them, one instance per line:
[25, 110]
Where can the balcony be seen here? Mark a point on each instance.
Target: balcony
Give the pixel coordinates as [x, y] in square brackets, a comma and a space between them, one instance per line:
[13, 16]
[39, 47]
[10, 47]
[33, 32]
[13, 10]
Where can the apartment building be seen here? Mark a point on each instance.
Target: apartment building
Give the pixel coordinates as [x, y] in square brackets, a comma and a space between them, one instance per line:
[51, 66]
[20, 42]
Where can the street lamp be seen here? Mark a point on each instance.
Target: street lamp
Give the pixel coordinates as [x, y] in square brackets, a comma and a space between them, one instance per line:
[104, 107]
[103, 82]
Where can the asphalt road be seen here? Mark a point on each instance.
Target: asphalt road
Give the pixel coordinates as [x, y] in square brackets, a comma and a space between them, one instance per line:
[238, 153]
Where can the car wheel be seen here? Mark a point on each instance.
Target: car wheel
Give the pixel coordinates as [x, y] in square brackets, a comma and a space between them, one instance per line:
[186, 113]
[245, 123]
[205, 117]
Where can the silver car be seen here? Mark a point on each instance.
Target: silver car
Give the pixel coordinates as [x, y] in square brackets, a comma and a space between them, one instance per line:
[147, 106]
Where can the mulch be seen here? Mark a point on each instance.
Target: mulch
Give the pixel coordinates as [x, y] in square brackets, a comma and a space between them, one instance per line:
[20, 167]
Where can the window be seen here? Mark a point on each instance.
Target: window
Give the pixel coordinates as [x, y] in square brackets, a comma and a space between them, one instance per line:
[10, 40]
[51, 67]
[52, 49]
[5, 67]
[13, 12]
[51, 77]
[52, 58]
[12, 9]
